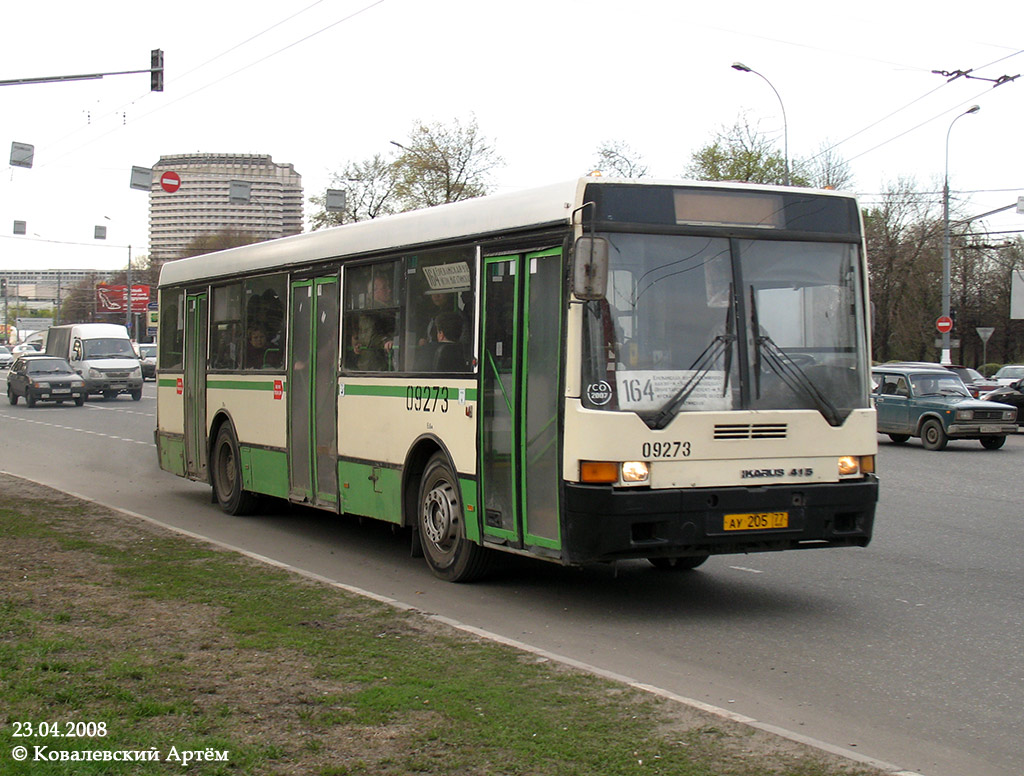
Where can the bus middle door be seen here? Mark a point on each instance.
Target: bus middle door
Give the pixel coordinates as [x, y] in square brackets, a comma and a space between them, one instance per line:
[313, 392]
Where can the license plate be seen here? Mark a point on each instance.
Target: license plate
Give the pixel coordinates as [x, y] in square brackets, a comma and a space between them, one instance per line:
[61, 390]
[990, 429]
[755, 521]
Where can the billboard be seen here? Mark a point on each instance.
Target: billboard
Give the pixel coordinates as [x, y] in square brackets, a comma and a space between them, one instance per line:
[110, 299]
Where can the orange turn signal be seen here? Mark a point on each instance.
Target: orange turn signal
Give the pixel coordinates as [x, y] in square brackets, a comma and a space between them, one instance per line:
[599, 471]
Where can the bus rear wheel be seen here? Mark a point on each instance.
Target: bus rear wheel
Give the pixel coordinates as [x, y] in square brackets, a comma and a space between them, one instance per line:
[226, 475]
[442, 528]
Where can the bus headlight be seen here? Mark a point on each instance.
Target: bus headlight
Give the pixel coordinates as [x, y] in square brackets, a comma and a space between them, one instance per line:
[610, 472]
[635, 471]
[850, 465]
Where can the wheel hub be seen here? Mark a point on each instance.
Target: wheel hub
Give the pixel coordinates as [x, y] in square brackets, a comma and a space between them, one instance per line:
[440, 515]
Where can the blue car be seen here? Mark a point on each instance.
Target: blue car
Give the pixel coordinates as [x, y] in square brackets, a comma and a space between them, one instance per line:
[935, 405]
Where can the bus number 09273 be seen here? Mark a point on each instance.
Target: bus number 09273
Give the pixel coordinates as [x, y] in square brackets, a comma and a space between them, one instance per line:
[426, 398]
[653, 450]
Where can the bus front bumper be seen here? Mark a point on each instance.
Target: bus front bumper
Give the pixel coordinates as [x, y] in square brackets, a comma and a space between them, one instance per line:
[606, 524]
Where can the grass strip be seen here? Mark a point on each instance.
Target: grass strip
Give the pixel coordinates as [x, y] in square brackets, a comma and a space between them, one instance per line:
[173, 646]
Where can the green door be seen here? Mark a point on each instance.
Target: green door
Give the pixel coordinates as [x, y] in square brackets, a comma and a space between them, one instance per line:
[194, 387]
[520, 464]
[313, 392]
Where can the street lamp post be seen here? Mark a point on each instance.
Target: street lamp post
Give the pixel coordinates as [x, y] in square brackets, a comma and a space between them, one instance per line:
[945, 358]
[785, 127]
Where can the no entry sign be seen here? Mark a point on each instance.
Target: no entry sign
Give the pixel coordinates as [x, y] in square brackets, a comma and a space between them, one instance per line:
[944, 324]
[170, 181]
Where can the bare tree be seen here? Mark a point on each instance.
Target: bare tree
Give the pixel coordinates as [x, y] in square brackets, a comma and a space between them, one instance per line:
[218, 241]
[371, 187]
[616, 158]
[742, 153]
[827, 169]
[444, 163]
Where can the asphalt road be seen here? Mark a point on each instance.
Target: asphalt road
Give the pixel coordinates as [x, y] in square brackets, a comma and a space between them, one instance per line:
[909, 651]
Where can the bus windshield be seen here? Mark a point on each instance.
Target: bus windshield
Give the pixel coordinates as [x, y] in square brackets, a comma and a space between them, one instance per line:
[712, 324]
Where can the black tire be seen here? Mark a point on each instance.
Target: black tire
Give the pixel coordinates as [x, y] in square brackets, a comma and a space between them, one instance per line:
[899, 439]
[30, 400]
[677, 564]
[933, 436]
[441, 526]
[108, 395]
[226, 475]
[993, 442]
[79, 401]
[12, 397]
[137, 395]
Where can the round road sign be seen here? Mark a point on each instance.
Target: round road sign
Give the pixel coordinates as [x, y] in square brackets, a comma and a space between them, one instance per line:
[944, 324]
[170, 181]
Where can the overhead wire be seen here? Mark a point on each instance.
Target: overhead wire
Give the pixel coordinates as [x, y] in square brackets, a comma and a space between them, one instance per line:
[165, 105]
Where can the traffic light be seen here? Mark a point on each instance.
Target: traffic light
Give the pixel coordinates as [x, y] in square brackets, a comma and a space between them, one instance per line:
[156, 71]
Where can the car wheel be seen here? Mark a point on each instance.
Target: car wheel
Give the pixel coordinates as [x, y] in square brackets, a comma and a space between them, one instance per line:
[993, 442]
[933, 436]
[899, 439]
[79, 401]
[12, 397]
[108, 395]
[30, 400]
[137, 395]
[226, 474]
[677, 564]
[442, 529]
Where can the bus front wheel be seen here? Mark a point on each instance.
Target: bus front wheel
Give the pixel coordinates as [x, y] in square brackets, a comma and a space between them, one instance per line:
[442, 529]
[226, 474]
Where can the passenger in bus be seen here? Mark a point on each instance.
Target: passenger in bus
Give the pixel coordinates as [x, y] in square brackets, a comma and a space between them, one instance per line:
[449, 356]
[440, 302]
[258, 353]
[369, 348]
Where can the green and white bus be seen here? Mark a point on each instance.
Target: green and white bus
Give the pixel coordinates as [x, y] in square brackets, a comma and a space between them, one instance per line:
[587, 372]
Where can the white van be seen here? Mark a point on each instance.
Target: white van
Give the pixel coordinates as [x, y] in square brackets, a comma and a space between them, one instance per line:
[102, 354]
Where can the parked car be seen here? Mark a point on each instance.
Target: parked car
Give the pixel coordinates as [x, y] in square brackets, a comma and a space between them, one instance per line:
[935, 405]
[24, 347]
[1010, 394]
[147, 357]
[976, 383]
[1009, 374]
[6, 357]
[44, 378]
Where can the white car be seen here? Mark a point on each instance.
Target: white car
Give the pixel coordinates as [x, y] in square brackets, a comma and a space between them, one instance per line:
[24, 347]
[1010, 373]
[6, 357]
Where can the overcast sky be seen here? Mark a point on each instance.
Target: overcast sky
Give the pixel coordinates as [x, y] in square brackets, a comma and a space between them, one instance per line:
[316, 84]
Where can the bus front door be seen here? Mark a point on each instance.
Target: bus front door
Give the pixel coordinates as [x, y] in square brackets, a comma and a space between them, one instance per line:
[520, 364]
[313, 392]
[194, 386]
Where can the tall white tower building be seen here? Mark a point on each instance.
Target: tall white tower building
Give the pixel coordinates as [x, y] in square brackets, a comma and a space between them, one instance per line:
[202, 206]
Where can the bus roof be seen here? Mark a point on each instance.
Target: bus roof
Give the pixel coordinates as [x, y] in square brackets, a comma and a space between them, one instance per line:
[549, 205]
[500, 213]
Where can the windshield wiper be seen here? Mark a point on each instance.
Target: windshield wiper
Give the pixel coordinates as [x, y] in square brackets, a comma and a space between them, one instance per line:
[787, 369]
[701, 366]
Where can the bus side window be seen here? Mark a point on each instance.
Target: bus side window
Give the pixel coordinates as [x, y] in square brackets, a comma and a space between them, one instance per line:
[265, 322]
[226, 336]
[439, 285]
[172, 329]
[371, 324]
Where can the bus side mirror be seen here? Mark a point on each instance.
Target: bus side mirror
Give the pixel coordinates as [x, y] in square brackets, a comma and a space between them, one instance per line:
[590, 268]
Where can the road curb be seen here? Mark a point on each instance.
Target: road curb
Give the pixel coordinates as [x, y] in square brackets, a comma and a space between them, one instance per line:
[832, 749]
